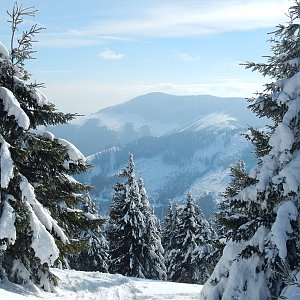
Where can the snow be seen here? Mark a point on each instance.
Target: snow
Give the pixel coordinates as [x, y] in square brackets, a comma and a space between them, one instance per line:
[42, 214]
[3, 52]
[6, 163]
[212, 183]
[40, 97]
[13, 108]
[282, 226]
[290, 175]
[75, 155]
[42, 243]
[282, 138]
[48, 135]
[91, 217]
[213, 120]
[224, 281]
[292, 292]
[40, 221]
[292, 86]
[7, 224]
[95, 286]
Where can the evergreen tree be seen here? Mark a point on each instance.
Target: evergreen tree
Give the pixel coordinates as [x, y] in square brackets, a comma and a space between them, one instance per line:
[126, 226]
[261, 213]
[167, 232]
[38, 192]
[153, 251]
[93, 256]
[134, 241]
[192, 235]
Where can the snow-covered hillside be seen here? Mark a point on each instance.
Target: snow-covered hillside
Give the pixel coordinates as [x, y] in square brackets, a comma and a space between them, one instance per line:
[97, 286]
[155, 114]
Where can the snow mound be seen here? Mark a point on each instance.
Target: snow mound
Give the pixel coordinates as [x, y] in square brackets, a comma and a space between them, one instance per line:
[94, 286]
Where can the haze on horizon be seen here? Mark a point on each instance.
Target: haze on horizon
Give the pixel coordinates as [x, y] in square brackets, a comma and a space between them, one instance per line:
[97, 54]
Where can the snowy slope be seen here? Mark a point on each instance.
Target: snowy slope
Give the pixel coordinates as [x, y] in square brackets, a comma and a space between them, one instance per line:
[172, 165]
[213, 121]
[75, 285]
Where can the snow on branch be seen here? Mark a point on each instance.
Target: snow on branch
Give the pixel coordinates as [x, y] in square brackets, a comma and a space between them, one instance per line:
[43, 215]
[6, 163]
[3, 52]
[74, 154]
[40, 98]
[282, 228]
[7, 224]
[13, 108]
[43, 242]
[290, 175]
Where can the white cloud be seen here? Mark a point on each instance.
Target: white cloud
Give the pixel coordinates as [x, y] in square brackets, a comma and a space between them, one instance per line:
[196, 18]
[111, 55]
[72, 38]
[173, 18]
[187, 57]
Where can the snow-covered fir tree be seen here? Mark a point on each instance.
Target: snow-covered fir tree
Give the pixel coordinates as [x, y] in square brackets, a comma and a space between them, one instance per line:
[93, 255]
[262, 208]
[168, 231]
[190, 244]
[153, 251]
[38, 192]
[170, 241]
[134, 241]
[126, 226]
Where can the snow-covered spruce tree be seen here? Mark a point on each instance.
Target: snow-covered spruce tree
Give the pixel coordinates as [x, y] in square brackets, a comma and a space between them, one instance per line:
[191, 242]
[172, 246]
[262, 209]
[94, 253]
[126, 226]
[38, 193]
[168, 230]
[153, 251]
[134, 241]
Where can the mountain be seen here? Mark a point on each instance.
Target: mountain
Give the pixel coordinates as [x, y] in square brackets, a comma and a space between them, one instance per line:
[153, 114]
[179, 143]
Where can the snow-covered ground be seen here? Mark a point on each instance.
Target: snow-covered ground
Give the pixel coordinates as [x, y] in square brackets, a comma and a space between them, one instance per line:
[75, 285]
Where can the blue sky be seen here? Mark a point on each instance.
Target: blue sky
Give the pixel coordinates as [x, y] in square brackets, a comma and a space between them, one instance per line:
[96, 53]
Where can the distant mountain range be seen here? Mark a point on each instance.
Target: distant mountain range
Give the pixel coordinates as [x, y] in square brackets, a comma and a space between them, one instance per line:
[179, 143]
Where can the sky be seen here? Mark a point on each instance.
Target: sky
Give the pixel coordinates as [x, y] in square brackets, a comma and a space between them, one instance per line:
[97, 53]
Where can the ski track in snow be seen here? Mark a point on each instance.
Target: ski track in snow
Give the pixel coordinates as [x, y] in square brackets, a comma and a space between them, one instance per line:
[76, 285]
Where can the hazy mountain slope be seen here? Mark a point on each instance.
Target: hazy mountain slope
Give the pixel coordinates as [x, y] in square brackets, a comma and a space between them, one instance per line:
[154, 114]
